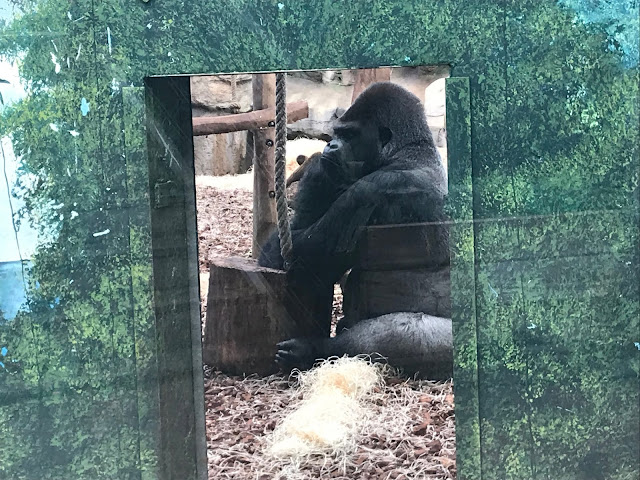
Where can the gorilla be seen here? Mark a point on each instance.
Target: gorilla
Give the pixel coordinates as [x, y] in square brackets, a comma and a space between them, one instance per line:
[380, 168]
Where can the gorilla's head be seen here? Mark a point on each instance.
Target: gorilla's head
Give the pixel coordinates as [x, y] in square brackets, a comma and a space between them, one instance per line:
[383, 120]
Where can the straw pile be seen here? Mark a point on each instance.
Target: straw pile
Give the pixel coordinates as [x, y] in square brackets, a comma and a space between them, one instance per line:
[334, 409]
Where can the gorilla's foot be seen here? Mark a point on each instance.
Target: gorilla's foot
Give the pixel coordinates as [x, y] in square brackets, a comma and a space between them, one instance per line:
[299, 353]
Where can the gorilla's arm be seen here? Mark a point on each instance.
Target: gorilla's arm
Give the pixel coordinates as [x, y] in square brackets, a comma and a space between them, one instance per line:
[414, 342]
[303, 163]
[270, 256]
[382, 197]
[337, 229]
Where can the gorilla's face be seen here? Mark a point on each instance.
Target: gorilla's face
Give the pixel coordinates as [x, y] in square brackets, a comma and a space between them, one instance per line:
[357, 143]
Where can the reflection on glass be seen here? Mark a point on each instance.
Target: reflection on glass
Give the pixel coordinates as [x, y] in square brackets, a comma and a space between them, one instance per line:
[542, 151]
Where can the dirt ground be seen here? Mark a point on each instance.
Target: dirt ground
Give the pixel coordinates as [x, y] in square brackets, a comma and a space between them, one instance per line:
[414, 437]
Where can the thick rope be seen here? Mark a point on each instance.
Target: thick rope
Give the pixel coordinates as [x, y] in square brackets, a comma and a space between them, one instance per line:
[282, 209]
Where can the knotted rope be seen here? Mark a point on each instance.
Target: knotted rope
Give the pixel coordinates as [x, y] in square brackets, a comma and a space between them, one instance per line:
[282, 209]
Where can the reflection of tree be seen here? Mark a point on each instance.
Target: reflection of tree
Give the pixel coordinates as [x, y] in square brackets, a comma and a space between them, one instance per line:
[1, 97]
[71, 398]
[617, 19]
[558, 307]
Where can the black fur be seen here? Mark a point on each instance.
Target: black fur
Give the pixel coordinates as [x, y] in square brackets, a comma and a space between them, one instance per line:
[403, 181]
[418, 344]
[325, 177]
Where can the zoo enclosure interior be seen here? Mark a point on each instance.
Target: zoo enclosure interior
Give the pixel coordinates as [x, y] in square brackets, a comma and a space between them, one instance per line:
[227, 139]
[224, 190]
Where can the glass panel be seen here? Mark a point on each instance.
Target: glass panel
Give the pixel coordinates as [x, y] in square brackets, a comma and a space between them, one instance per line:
[100, 336]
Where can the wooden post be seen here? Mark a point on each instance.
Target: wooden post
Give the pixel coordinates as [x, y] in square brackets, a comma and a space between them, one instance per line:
[181, 441]
[366, 77]
[264, 202]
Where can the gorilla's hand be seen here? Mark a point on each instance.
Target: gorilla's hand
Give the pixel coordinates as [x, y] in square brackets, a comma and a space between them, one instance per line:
[299, 353]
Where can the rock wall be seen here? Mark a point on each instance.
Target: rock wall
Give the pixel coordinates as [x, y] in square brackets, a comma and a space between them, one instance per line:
[212, 96]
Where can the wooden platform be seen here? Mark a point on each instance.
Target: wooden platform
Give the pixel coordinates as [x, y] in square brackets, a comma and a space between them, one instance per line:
[251, 308]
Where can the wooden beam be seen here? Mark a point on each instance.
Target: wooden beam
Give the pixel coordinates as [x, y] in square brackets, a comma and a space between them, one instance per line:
[366, 77]
[264, 201]
[407, 246]
[399, 268]
[247, 121]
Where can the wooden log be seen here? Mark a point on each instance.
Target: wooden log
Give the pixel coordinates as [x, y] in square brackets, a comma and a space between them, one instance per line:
[250, 309]
[371, 293]
[264, 202]
[399, 268]
[394, 247]
[366, 77]
[247, 121]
